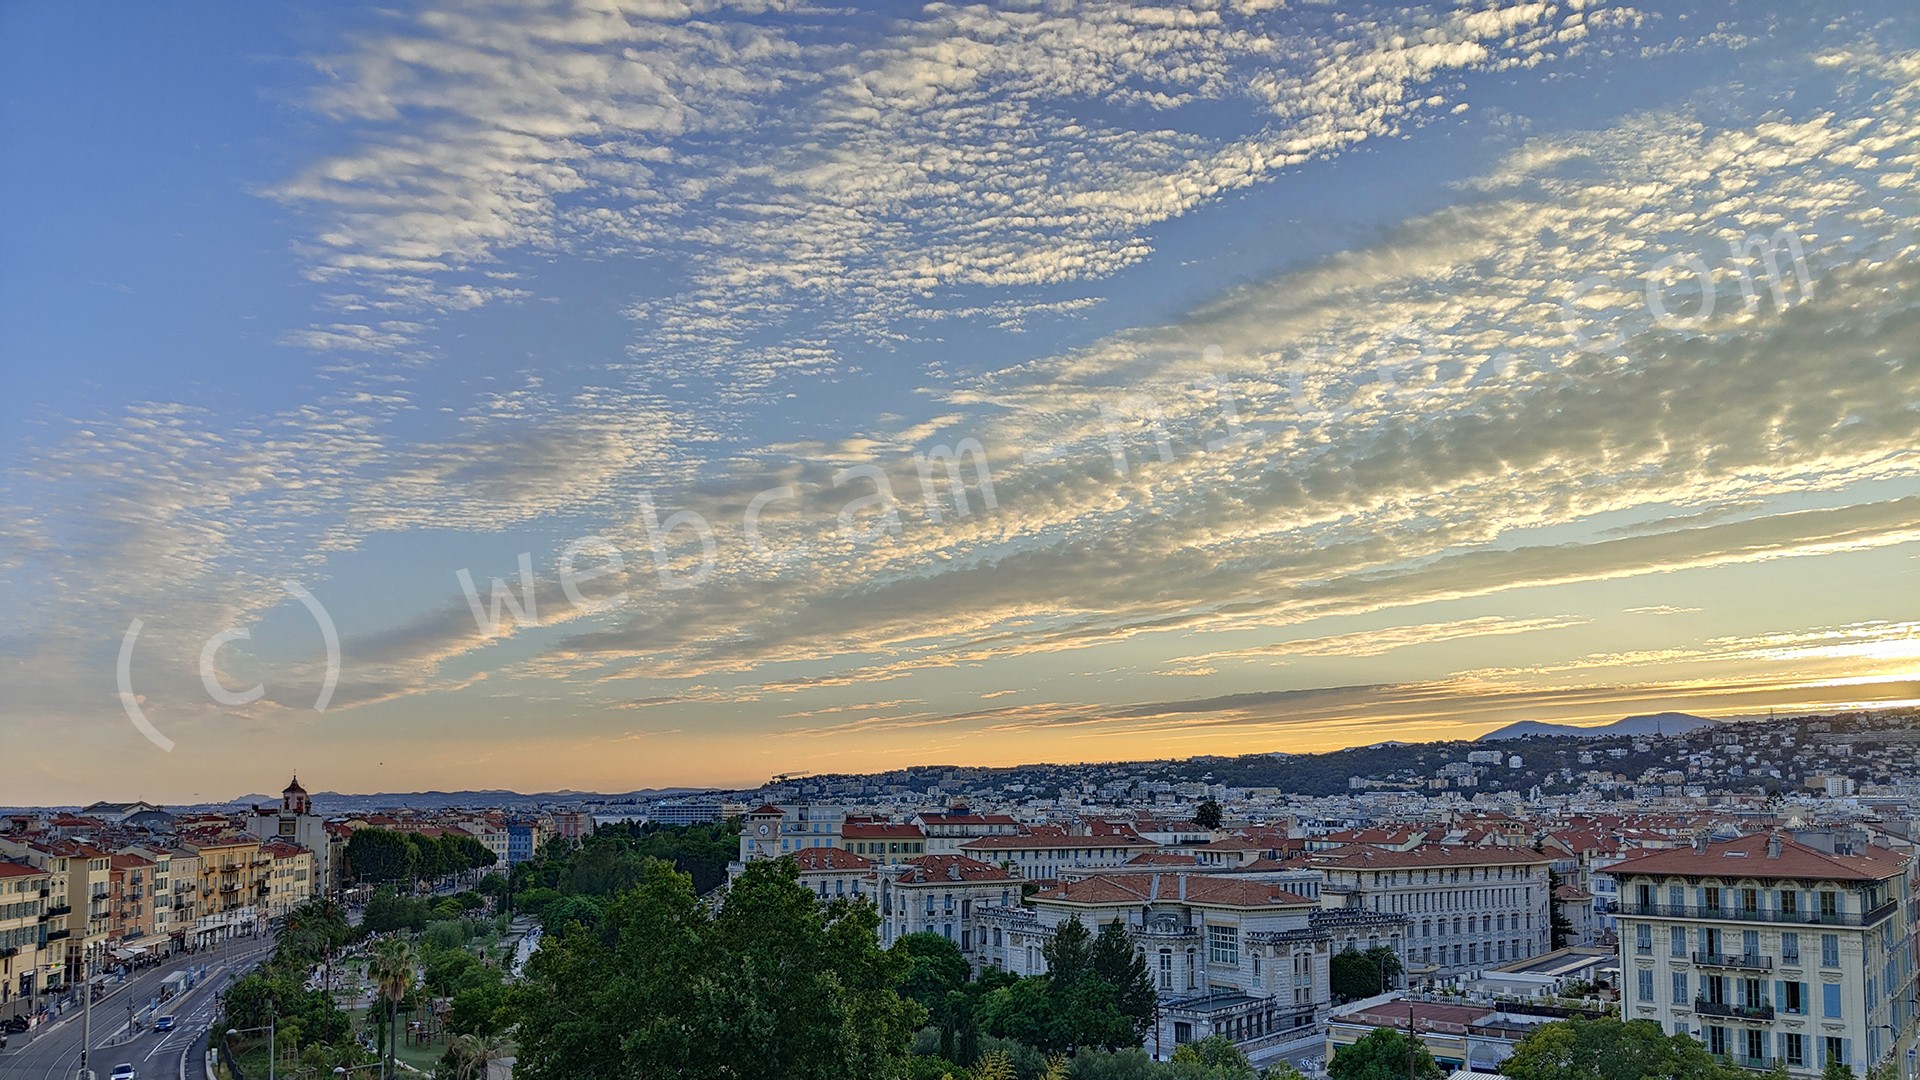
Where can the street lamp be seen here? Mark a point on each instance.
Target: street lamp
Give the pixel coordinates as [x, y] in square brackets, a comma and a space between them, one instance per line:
[272, 1056]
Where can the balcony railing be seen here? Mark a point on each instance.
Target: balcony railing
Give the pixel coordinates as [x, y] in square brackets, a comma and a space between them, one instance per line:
[1790, 918]
[1737, 1012]
[59, 909]
[1746, 961]
[1758, 1064]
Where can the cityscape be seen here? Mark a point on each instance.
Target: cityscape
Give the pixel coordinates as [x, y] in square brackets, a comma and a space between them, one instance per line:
[1033, 540]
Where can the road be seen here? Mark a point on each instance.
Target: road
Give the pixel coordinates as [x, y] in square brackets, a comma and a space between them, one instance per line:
[52, 1052]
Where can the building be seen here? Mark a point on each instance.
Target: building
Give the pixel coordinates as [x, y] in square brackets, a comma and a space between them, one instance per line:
[294, 822]
[946, 832]
[831, 873]
[1461, 1037]
[1467, 908]
[130, 890]
[1770, 950]
[289, 877]
[941, 894]
[883, 842]
[231, 885]
[1229, 955]
[1046, 856]
[29, 963]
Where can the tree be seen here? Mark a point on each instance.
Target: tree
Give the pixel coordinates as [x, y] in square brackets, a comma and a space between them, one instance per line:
[1218, 1053]
[1837, 1070]
[1383, 1055]
[1123, 967]
[1610, 1049]
[772, 986]
[1207, 815]
[379, 856]
[1560, 927]
[469, 1055]
[392, 971]
[935, 969]
[1354, 974]
[1069, 953]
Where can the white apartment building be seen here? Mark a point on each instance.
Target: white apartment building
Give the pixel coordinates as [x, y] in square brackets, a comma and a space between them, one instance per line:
[1229, 955]
[776, 830]
[941, 894]
[946, 832]
[832, 872]
[1045, 856]
[1766, 949]
[1467, 909]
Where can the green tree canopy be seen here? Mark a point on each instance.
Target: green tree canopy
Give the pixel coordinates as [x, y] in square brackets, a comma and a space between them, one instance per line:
[1610, 1049]
[1207, 815]
[771, 987]
[1355, 974]
[1383, 1055]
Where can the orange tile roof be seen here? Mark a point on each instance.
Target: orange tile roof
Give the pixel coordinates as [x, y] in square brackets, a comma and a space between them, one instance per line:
[1429, 856]
[1747, 857]
[1198, 888]
[947, 869]
[819, 859]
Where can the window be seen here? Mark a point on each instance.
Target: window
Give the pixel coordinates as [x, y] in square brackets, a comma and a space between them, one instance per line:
[1829, 950]
[1223, 945]
[1834, 1050]
[1829, 903]
[1793, 1047]
[1789, 902]
[1789, 946]
[1676, 897]
[1679, 988]
[1166, 969]
[1717, 1041]
[1646, 986]
[1793, 998]
[1830, 1001]
[1678, 937]
[1643, 938]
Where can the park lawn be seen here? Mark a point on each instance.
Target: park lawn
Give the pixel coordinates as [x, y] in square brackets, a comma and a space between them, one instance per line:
[424, 1058]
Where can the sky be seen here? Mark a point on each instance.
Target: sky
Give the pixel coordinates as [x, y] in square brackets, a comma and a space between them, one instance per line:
[603, 395]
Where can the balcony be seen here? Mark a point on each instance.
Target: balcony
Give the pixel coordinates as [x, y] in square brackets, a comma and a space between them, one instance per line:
[1784, 918]
[1737, 1012]
[1743, 962]
[59, 909]
[1758, 1064]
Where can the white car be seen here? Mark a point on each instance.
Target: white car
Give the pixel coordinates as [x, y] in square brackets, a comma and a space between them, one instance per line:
[124, 1072]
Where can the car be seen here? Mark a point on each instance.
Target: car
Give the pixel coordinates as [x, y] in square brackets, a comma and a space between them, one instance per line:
[163, 1023]
[123, 1071]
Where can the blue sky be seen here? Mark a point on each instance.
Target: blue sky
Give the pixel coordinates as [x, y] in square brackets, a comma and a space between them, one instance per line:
[1339, 374]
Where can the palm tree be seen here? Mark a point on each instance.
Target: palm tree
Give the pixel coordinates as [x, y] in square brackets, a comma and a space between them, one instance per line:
[477, 1051]
[392, 971]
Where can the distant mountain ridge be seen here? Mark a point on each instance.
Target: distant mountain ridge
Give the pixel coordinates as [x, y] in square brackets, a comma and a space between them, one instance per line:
[1664, 723]
[333, 802]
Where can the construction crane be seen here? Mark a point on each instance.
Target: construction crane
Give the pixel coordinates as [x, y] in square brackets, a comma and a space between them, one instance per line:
[781, 778]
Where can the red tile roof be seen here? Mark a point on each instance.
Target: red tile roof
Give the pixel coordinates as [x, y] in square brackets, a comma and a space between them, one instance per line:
[947, 869]
[1195, 888]
[10, 869]
[820, 859]
[1430, 856]
[881, 831]
[1747, 857]
[1026, 841]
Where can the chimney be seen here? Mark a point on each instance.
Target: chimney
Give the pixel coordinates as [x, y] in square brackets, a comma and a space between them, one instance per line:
[1183, 887]
[1700, 842]
[1773, 844]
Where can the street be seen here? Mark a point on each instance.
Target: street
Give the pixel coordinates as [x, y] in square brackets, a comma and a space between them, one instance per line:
[52, 1052]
